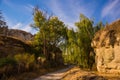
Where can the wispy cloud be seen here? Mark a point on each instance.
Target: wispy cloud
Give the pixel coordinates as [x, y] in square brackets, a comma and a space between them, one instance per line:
[21, 8]
[111, 9]
[57, 10]
[17, 26]
[24, 27]
[29, 7]
[27, 28]
[70, 10]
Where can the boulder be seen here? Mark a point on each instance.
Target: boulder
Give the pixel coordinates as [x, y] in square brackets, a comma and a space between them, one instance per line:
[106, 44]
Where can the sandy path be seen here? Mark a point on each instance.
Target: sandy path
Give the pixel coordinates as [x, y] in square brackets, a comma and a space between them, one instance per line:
[58, 75]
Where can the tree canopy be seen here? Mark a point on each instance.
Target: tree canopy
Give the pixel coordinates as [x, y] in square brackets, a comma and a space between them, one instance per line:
[75, 45]
[50, 32]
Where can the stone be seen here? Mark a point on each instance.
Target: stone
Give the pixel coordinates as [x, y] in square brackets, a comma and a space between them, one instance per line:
[106, 44]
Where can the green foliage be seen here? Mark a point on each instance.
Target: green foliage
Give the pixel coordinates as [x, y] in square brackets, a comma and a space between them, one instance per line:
[24, 58]
[10, 66]
[25, 61]
[78, 45]
[7, 61]
[51, 32]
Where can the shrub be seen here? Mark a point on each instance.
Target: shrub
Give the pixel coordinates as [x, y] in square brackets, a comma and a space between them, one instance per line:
[25, 60]
[7, 61]
[7, 66]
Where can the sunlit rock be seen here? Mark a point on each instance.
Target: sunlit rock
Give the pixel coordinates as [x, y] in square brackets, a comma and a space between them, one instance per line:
[106, 44]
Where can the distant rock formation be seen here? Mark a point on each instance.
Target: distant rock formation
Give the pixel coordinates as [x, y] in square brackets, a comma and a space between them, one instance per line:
[13, 41]
[106, 44]
[22, 35]
[11, 46]
[19, 34]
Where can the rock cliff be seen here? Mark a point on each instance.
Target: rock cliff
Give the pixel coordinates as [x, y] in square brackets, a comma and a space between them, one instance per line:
[13, 41]
[11, 46]
[22, 35]
[19, 34]
[106, 44]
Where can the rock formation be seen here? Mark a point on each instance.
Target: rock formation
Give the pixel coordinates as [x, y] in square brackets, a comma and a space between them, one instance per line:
[11, 46]
[22, 35]
[13, 41]
[19, 34]
[106, 44]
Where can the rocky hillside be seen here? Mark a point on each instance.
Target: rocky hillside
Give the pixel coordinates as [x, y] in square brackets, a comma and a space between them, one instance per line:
[22, 35]
[106, 44]
[19, 34]
[10, 46]
[14, 41]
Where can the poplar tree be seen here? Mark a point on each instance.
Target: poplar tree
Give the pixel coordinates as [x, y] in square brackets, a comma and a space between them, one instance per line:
[50, 32]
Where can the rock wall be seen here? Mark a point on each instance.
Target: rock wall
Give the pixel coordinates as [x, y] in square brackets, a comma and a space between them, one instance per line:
[106, 44]
[19, 34]
[13, 41]
[22, 35]
[11, 46]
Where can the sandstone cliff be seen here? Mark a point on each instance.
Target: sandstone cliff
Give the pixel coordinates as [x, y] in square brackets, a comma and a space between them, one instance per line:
[22, 35]
[19, 34]
[11, 46]
[106, 44]
[13, 41]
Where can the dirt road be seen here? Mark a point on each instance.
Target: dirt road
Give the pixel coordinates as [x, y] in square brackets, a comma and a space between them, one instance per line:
[75, 73]
[58, 75]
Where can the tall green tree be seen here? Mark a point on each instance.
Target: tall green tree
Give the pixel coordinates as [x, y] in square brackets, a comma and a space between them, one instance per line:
[85, 34]
[50, 32]
[78, 49]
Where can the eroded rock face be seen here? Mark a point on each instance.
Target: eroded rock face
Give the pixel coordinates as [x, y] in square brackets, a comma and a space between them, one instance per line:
[13, 41]
[106, 44]
[22, 35]
[19, 34]
[11, 46]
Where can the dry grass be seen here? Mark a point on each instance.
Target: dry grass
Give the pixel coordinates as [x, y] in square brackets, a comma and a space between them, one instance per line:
[32, 75]
[78, 74]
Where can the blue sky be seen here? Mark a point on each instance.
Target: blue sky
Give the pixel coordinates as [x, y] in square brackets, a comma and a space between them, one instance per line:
[18, 13]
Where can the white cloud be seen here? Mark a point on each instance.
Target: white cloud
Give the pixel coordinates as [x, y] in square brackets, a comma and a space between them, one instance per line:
[20, 8]
[27, 28]
[57, 10]
[24, 27]
[69, 13]
[23, 9]
[17, 26]
[111, 9]
[29, 7]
